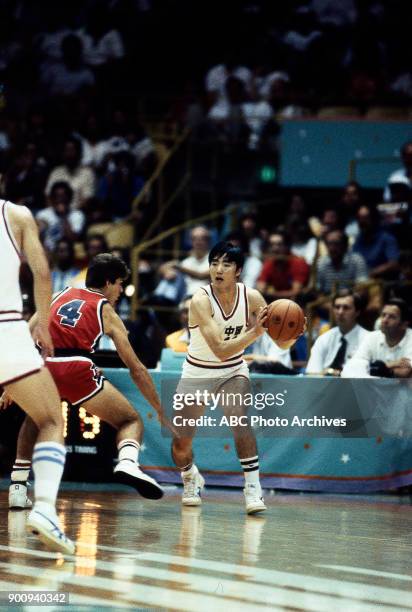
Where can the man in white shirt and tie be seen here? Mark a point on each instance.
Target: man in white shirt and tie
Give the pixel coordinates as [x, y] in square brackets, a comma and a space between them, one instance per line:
[386, 352]
[335, 347]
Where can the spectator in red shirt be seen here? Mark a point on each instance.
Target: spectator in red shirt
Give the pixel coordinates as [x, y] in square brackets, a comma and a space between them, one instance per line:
[283, 275]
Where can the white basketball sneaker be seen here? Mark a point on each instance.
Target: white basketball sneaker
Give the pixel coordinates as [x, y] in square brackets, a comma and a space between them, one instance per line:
[46, 527]
[253, 499]
[18, 499]
[193, 484]
[129, 473]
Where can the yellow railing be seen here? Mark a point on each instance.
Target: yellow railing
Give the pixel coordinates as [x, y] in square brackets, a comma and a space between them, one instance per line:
[173, 231]
[165, 157]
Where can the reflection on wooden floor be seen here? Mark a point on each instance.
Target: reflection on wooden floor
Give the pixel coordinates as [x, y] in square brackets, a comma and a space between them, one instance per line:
[310, 552]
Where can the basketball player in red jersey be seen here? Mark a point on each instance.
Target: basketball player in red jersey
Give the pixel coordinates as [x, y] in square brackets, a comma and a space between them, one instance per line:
[78, 318]
[22, 371]
[220, 330]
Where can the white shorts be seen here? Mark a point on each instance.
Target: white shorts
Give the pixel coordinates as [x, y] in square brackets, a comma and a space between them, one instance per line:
[18, 354]
[191, 371]
[212, 384]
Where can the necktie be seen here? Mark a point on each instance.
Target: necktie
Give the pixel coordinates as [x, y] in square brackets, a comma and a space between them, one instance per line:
[339, 359]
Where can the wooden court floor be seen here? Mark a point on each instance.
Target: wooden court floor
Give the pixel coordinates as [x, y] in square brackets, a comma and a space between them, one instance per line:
[309, 552]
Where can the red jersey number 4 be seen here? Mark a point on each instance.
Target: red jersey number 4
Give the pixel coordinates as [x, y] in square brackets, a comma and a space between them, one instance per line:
[70, 313]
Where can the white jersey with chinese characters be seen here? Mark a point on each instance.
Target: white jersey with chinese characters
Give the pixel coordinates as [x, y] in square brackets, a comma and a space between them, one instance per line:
[201, 362]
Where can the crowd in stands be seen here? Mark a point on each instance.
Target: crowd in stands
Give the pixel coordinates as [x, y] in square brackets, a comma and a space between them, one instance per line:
[74, 150]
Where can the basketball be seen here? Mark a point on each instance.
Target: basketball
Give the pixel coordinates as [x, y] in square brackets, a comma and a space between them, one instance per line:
[285, 320]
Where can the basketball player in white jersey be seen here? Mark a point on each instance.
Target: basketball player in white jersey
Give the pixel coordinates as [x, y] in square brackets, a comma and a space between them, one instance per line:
[220, 330]
[22, 373]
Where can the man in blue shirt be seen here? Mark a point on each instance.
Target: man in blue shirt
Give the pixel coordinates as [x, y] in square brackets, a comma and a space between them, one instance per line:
[379, 248]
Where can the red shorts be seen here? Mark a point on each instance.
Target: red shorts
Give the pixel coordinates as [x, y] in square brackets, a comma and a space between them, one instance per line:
[77, 378]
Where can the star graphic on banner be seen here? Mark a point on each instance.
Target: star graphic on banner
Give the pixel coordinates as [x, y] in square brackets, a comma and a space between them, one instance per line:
[345, 458]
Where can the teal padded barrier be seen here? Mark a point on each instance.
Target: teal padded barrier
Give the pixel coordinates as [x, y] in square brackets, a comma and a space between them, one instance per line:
[323, 464]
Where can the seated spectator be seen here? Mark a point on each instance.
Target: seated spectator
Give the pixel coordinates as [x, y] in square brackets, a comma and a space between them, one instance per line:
[249, 229]
[283, 275]
[350, 201]
[252, 265]
[303, 242]
[217, 76]
[80, 179]
[93, 245]
[179, 340]
[71, 75]
[266, 357]
[58, 220]
[378, 248]
[26, 178]
[403, 174]
[195, 267]
[339, 267]
[335, 347]
[119, 185]
[102, 44]
[227, 114]
[387, 352]
[185, 277]
[63, 271]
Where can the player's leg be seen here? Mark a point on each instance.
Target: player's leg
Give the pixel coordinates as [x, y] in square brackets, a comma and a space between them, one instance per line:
[113, 408]
[38, 397]
[234, 391]
[182, 455]
[26, 440]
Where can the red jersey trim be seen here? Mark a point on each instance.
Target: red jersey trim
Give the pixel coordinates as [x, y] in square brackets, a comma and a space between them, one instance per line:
[8, 230]
[227, 317]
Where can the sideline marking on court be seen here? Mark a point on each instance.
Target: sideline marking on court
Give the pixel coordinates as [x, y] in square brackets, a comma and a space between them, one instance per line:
[366, 572]
[317, 587]
[140, 593]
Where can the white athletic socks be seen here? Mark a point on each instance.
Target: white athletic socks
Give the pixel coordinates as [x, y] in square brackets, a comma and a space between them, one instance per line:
[129, 450]
[188, 471]
[48, 466]
[250, 467]
[21, 471]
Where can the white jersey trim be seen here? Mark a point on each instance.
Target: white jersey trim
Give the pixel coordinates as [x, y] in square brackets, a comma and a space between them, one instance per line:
[236, 304]
[9, 231]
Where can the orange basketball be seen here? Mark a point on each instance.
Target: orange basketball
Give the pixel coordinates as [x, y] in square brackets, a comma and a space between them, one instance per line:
[285, 320]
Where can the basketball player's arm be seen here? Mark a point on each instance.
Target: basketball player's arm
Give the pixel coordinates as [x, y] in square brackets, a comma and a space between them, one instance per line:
[201, 315]
[22, 219]
[114, 327]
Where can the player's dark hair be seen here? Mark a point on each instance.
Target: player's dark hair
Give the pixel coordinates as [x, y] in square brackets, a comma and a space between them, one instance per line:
[229, 251]
[358, 301]
[105, 267]
[402, 305]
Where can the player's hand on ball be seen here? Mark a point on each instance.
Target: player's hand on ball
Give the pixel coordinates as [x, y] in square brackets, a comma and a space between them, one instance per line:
[260, 325]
